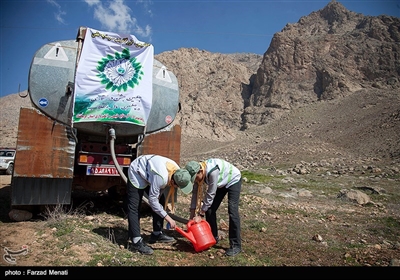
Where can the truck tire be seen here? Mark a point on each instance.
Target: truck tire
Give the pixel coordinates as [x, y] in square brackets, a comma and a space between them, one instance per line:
[10, 169]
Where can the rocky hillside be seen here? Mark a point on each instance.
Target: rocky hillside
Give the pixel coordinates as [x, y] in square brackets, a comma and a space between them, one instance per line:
[328, 85]
[212, 86]
[328, 54]
[9, 117]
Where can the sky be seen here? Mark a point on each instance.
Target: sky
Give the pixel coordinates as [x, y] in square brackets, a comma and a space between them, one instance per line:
[224, 26]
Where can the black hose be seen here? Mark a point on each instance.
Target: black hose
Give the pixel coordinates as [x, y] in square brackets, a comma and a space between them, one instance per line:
[178, 219]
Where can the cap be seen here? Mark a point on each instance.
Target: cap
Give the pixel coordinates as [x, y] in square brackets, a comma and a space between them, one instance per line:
[183, 180]
[193, 167]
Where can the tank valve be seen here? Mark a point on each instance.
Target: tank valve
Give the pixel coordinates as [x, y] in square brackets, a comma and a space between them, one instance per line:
[112, 132]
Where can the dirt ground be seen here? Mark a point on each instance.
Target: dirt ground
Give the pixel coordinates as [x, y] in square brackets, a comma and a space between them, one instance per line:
[289, 221]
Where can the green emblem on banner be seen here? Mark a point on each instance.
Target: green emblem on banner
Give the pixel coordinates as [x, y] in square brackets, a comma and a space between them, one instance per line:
[119, 72]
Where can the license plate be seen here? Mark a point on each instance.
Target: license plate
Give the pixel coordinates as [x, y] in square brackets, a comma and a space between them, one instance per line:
[102, 171]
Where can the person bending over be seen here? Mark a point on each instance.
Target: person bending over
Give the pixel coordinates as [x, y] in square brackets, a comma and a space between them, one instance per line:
[151, 174]
[221, 178]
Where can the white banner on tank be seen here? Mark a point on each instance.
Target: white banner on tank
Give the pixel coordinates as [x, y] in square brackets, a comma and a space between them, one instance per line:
[114, 79]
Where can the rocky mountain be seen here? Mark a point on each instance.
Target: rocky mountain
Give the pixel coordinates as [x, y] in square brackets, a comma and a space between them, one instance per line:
[327, 86]
[328, 54]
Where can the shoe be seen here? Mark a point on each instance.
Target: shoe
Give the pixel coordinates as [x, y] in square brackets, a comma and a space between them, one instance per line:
[140, 247]
[216, 240]
[233, 251]
[162, 237]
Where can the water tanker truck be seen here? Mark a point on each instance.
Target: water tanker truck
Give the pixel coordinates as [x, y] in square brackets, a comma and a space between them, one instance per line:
[97, 104]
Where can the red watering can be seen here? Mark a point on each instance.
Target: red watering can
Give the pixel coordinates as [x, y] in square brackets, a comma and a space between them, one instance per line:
[199, 234]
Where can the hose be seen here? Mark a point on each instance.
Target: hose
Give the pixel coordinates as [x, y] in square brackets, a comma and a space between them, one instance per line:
[121, 173]
[112, 142]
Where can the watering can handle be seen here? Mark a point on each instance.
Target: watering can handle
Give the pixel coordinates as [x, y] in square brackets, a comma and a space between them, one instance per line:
[190, 223]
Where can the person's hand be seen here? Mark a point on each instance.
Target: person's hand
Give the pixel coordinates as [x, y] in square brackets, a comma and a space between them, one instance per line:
[197, 219]
[172, 223]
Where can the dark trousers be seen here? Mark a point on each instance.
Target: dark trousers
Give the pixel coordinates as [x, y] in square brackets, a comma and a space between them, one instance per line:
[233, 211]
[134, 201]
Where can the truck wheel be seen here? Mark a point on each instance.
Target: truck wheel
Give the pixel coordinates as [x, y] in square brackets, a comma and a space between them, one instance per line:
[10, 169]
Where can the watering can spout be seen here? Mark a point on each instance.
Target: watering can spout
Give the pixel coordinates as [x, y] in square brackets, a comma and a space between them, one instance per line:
[188, 235]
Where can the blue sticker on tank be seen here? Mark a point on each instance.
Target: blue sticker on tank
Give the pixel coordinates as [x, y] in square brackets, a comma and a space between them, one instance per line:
[43, 102]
